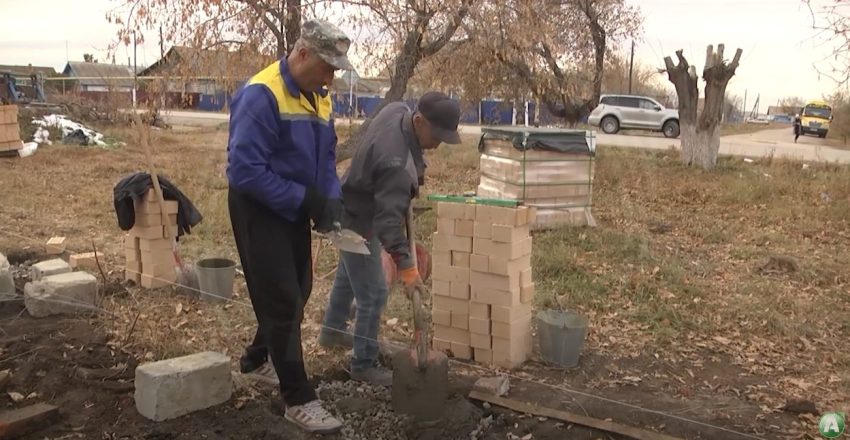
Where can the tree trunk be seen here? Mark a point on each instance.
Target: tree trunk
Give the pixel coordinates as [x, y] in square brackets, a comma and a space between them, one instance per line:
[688, 141]
[292, 23]
[705, 148]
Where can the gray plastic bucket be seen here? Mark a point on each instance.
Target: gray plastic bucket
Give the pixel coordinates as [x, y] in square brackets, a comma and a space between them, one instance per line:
[215, 278]
[562, 336]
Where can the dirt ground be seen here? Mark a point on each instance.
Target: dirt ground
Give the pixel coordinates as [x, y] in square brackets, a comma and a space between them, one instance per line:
[691, 317]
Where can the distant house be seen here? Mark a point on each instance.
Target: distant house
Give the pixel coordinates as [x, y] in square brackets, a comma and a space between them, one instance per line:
[24, 72]
[99, 77]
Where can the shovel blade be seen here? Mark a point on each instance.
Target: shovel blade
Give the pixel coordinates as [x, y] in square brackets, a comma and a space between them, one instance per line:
[420, 392]
[349, 241]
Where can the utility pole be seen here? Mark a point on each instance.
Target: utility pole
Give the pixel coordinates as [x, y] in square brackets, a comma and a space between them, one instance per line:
[744, 109]
[161, 44]
[631, 66]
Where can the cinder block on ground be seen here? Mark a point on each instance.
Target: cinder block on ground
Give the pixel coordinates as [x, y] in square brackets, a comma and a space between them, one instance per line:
[494, 386]
[7, 282]
[70, 292]
[47, 268]
[174, 387]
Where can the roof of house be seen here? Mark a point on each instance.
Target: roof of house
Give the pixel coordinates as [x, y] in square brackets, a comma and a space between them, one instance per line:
[189, 61]
[27, 70]
[100, 74]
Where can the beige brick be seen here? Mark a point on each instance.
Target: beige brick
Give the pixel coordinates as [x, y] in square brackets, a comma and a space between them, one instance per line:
[497, 215]
[441, 317]
[147, 232]
[442, 345]
[444, 242]
[477, 340]
[446, 226]
[440, 287]
[131, 242]
[509, 234]
[461, 351]
[451, 334]
[159, 244]
[133, 266]
[523, 217]
[480, 263]
[460, 291]
[460, 320]
[512, 353]
[55, 246]
[511, 330]
[525, 278]
[85, 260]
[132, 254]
[464, 228]
[156, 282]
[509, 314]
[450, 210]
[451, 273]
[133, 276]
[143, 208]
[450, 304]
[507, 283]
[441, 258]
[479, 326]
[469, 212]
[482, 230]
[526, 293]
[156, 258]
[479, 310]
[503, 266]
[532, 214]
[483, 355]
[460, 259]
[154, 219]
[494, 297]
[162, 269]
[511, 251]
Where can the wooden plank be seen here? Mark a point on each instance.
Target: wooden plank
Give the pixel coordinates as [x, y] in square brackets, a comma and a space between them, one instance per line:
[22, 421]
[603, 425]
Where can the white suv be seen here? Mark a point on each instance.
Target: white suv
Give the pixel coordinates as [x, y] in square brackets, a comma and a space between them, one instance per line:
[616, 112]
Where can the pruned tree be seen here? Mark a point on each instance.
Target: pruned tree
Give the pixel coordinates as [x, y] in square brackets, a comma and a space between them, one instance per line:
[700, 136]
[791, 105]
[832, 23]
[840, 126]
[400, 34]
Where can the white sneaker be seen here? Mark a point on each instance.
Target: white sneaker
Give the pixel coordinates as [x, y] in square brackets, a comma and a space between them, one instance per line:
[264, 373]
[313, 417]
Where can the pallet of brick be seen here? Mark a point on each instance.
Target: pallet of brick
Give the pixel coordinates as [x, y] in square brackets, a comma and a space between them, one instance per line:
[550, 169]
[10, 134]
[148, 244]
[482, 273]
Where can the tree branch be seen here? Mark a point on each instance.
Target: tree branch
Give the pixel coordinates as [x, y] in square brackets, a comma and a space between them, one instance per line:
[454, 23]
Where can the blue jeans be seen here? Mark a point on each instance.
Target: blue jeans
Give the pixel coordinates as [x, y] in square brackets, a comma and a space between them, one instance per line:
[361, 278]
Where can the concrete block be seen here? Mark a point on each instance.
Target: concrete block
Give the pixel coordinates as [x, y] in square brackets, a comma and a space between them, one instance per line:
[451, 334]
[482, 230]
[48, 268]
[479, 263]
[7, 282]
[460, 320]
[174, 387]
[441, 317]
[495, 386]
[464, 228]
[440, 287]
[483, 355]
[459, 291]
[70, 292]
[444, 242]
[460, 259]
[461, 351]
[479, 310]
[451, 304]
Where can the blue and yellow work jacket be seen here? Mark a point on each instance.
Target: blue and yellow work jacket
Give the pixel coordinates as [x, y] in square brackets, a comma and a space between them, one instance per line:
[280, 144]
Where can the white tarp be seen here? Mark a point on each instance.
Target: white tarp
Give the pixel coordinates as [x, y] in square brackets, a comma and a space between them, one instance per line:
[73, 132]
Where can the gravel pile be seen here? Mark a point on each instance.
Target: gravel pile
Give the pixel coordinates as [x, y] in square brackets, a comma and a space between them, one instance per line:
[368, 415]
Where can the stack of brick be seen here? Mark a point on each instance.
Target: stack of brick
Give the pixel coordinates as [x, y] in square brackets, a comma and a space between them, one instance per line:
[10, 133]
[482, 282]
[150, 259]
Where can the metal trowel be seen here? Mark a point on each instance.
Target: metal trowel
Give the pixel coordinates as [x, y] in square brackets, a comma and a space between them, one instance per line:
[347, 240]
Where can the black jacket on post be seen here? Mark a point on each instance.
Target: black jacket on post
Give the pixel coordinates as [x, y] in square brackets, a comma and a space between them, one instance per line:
[385, 174]
[133, 188]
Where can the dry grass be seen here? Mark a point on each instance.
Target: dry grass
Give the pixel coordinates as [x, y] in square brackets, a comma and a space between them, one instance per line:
[673, 270]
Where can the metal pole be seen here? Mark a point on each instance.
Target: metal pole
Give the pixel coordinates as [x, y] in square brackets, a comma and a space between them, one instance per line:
[135, 70]
[631, 66]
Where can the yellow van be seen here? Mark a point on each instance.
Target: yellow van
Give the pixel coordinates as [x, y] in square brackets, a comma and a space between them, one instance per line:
[816, 116]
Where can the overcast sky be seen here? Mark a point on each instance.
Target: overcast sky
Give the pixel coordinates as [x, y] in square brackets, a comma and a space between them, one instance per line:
[776, 36]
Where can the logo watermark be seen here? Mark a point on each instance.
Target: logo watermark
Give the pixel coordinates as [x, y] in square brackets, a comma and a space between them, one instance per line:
[831, 424]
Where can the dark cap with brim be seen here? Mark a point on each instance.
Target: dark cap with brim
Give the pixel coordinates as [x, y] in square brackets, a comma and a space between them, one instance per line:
[444, 115]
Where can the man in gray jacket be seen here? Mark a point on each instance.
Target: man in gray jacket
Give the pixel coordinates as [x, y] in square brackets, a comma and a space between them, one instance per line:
[384, 176]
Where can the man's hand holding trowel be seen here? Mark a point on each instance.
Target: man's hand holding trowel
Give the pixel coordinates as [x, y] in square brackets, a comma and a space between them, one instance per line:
[377, 190]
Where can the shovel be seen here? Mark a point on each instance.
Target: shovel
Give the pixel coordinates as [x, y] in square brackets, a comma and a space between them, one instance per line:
[420, 374]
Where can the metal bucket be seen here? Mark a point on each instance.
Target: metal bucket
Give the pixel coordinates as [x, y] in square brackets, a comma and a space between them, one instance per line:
[215, 278]
[562, 336]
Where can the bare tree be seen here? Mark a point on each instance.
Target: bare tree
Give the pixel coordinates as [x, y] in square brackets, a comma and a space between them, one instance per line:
[791, 105]
[832, 22]
[700, 137]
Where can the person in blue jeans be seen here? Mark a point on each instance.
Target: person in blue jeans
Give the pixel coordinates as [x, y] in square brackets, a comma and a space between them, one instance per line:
[377, 189]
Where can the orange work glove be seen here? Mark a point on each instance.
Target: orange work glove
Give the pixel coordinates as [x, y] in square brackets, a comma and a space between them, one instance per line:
[411, 279]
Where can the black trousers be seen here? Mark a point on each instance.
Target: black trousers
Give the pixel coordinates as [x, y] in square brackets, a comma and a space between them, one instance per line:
[277, 261]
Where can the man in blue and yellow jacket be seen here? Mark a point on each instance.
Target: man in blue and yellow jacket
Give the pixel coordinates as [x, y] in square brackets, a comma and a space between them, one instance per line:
[281, 167]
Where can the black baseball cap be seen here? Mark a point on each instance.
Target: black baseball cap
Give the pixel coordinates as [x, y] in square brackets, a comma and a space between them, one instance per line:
[444, 115]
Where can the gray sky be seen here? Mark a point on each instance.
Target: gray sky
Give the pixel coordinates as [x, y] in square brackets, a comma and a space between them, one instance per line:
[776, 36]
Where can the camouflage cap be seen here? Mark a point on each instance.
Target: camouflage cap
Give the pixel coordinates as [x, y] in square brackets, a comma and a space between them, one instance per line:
[328, 41]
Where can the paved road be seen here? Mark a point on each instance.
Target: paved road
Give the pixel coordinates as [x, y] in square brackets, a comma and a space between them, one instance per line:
[778, 142]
